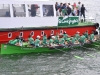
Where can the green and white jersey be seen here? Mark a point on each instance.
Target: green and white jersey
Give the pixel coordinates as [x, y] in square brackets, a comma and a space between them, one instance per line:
[73, 40]
[44, 40]
[62, 41]
[65, 36]
[31, 40]
[51, 41]
[68, 39]
[10, 41]
[82, 39]
[13, 42]
[56, 39]
[91, 37]
[77, 36]
[37, 42]
[86, 34]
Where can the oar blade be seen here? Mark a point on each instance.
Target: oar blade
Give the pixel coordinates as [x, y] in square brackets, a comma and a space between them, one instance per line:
[78, 57]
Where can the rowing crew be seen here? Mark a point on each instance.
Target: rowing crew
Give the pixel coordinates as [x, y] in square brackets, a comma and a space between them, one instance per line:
[56, 40]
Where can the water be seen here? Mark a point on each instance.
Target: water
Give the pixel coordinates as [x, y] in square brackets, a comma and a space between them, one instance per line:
[52, 64]
[56, 63]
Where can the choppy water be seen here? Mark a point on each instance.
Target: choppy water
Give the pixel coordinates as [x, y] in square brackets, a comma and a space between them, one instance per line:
[57, 63]
[52, 64]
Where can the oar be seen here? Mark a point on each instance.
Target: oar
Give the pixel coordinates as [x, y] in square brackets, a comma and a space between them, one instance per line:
[97, 46]
[87, 48]
[81, 47]
[59, 49]
[63, 48]
[90, 55]
[72, 46]
[78, 57]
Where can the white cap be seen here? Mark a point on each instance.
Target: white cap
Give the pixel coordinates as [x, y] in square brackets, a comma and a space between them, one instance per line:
[38, 36]
[64, 31]
[53, 37]
[77, 32]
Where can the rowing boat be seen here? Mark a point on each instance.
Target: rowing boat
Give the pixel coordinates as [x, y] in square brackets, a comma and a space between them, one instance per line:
[12, 49]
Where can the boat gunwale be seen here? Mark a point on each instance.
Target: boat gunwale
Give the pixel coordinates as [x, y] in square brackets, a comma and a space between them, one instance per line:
[41, 28]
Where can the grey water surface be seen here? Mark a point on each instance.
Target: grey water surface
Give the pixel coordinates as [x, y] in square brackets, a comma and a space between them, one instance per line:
[59, 63]
[73, 62]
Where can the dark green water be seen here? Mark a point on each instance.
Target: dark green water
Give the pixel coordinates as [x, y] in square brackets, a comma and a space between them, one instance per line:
[52, 64]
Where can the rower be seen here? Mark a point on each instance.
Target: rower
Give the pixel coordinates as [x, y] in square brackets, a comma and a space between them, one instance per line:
[31, 40]
[82, 39]
[73, 40]
[37, 41]
[51, 41]
[44, 39]
[21, 40]
[56, 41]
[65, 35]
[68, 40]
[92, 38]
[62, 41]
[86, 34]
[77, 35]
[15, 41]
